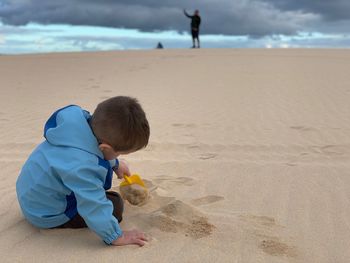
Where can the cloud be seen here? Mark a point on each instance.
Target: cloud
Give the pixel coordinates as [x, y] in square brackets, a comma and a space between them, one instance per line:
[2, 39]
[11, 30]
[335, 10]
[255, 18]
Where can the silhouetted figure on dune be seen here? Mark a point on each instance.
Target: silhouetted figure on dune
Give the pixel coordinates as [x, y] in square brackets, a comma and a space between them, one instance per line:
[195, 23]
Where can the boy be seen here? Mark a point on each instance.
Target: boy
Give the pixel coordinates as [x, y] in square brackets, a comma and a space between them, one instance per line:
[64, 181]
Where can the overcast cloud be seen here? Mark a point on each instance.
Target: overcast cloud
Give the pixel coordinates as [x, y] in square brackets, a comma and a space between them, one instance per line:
[254, 18]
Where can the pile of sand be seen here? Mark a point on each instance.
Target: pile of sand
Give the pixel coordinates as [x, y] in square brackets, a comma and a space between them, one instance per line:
[165, 213]
[180, 217]
[135, 194]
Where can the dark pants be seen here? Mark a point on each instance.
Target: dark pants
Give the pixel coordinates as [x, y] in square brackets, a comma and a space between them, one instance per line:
[78, 222]
[195, 35]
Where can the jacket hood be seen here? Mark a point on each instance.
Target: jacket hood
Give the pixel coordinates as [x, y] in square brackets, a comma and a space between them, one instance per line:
[69, 127]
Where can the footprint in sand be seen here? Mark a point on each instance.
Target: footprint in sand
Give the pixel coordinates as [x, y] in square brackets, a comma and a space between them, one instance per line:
[274, 247]
[206, 200]
[2, 118]
[333, 149]
[291, 164]
[139, 68]
[303, 128]
[330, 149]
[184, 125]
[169, 181]
[207, 156]
[193, 146]
[92, 87]
[259, 220]
[264, 229]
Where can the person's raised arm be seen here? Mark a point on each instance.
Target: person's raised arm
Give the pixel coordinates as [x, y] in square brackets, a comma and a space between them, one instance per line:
[186, 14]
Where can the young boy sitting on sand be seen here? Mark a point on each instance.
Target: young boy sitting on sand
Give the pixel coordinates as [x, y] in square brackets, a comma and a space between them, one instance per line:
[64, 181]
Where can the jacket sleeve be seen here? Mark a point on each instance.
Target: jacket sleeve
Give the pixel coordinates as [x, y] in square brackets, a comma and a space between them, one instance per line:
[86, 181]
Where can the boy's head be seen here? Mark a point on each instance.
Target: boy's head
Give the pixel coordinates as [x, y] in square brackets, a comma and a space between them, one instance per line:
[120, 125]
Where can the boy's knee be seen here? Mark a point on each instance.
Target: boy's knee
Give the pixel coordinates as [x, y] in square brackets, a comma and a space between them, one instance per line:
[118, 204]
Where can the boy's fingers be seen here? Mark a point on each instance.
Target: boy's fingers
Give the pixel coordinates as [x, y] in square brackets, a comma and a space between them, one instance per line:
[127, 171]
[143, 237]
[140, 242]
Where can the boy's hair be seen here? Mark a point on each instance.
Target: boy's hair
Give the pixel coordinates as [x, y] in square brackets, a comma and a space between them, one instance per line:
[121, 122]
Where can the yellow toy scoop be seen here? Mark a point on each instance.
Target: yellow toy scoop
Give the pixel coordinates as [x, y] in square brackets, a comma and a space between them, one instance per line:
[133, 179]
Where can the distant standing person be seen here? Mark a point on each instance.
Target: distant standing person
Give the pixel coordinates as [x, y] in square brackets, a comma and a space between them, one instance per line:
[195, 23]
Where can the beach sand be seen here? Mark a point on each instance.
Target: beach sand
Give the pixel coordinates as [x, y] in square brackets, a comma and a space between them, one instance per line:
[249, 152]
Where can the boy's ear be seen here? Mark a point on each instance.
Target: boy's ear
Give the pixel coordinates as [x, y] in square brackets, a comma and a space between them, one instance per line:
[105, 147]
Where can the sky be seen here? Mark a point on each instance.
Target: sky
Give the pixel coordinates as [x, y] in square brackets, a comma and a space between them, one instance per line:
[35, 26]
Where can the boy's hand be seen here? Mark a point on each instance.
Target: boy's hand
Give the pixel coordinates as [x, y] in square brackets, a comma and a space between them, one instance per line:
[122, 169]
[131, 237]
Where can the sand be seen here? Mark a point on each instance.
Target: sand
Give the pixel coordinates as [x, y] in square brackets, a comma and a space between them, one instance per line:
[249, 152]
[135, 194]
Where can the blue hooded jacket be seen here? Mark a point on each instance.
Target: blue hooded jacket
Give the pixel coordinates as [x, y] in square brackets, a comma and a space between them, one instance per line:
[67, 174]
